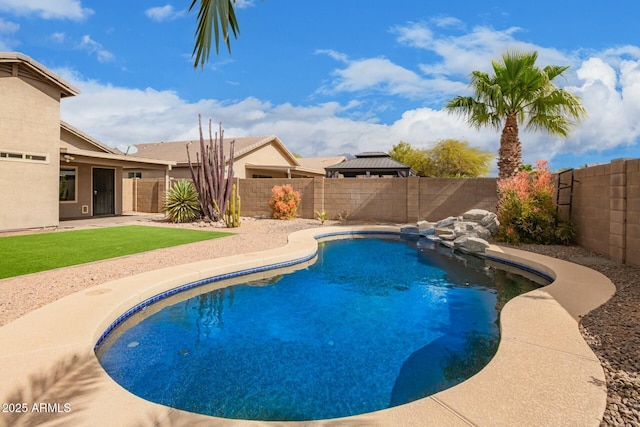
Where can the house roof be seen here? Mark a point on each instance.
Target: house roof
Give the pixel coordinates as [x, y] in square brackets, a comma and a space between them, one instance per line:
[94, 155]
[33, 68]
[103, 151]
[99, 145]
[369, 161]
[177, 152]
[320, 162]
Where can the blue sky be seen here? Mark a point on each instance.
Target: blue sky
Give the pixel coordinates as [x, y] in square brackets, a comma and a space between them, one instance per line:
[331, 77]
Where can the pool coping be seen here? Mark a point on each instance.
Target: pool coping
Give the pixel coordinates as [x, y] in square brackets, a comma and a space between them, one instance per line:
[543, 373]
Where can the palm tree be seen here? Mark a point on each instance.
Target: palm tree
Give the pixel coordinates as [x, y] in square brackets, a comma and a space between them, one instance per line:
[213, 16]
[519, 93]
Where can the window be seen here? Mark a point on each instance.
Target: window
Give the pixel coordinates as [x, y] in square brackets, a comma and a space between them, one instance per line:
[135, 174]
[67, 184]
[24, 157]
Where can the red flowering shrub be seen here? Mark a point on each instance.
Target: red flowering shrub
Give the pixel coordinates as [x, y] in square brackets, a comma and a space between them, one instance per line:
[526, 210]
[284, 202]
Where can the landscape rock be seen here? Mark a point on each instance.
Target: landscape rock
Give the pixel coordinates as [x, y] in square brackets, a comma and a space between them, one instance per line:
[439, 231]
[474, 245]
[425, 227]
[409, 229]
[468, 233]
[475, 214]
[490, 222]
[482, 232]
[446, 222]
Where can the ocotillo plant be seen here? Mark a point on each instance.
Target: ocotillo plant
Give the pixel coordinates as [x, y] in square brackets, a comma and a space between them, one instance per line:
[214, 188]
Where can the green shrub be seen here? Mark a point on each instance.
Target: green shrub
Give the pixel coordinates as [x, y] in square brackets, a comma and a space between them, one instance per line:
[182, 203]
[526, 210]
[284, 202]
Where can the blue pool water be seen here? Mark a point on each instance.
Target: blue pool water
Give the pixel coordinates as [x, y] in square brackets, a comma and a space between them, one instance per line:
[371, 324]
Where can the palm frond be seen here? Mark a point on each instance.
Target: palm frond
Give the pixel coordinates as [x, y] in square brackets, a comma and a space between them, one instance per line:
[214, 17]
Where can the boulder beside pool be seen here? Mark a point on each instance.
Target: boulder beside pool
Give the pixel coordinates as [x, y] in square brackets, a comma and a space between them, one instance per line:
[468, 232]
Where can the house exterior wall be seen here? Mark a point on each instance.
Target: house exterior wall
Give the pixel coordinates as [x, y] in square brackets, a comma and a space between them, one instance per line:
[84, 192]
[29, 126]
[266, 155]
[69, 140]
[242, 166]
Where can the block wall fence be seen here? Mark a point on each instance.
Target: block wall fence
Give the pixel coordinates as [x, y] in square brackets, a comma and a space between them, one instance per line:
[397, 200]
[606, 209]
[605, 206]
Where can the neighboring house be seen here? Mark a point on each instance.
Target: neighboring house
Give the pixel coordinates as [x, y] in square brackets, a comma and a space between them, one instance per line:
[369, 164]
[254, 157]
[320, 163]
[48, 169]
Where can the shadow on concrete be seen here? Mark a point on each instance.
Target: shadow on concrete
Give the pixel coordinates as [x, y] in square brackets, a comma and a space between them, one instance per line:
[55, 395]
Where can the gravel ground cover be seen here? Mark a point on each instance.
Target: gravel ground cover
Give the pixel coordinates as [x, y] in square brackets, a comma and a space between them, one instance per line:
[612, 330]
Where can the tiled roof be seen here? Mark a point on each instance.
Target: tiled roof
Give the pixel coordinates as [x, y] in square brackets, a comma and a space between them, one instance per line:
[368, 162]
[177, 151]
[40, 71]
[320, 162]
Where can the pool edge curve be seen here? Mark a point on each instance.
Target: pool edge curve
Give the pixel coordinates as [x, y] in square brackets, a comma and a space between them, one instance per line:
[544, 373]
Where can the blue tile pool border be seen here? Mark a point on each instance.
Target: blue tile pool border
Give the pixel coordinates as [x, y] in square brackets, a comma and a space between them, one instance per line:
[140, 306]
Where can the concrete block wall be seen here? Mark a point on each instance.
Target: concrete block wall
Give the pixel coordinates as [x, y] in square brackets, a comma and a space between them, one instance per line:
[255, 195]
[590, 207]
[443, 197]
[632, 235]
[606, 209]
[396, 200]
[143, 195]
[376, 199]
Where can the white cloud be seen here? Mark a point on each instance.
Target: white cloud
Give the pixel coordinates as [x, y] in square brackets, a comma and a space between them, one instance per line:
[7, 29]
[58, 37]
[464, 52]
[47, 9]
[93, 46]
[381, 76]
[163, 13]
[8, 26]
[611, 97]
[243, 4]
[118, 115]
[608, 84]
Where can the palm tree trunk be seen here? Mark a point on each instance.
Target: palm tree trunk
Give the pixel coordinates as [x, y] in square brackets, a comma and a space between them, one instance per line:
[510, 153]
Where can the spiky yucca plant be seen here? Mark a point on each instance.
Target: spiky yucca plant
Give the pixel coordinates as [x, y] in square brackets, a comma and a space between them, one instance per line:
[182, 203]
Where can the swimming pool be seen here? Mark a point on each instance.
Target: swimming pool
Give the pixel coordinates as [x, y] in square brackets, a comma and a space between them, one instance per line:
[371, 324]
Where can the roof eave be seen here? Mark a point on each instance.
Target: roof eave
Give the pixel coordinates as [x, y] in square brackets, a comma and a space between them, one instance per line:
[66, 88]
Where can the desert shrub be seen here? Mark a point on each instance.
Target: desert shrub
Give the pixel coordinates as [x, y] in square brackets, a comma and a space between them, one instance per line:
[526, 210]
[284, 202]
[182, 204]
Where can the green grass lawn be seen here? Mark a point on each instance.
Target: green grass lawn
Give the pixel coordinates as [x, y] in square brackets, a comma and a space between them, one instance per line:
[38, 252]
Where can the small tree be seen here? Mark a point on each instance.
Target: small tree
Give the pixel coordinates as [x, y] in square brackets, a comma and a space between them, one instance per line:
[449, 158]
[526, 210]
[212, 184]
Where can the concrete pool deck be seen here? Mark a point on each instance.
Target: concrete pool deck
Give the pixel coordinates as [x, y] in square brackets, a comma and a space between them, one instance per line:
[543, 373]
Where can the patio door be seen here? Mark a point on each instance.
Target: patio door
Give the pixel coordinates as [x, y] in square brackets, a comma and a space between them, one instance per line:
[104, 191]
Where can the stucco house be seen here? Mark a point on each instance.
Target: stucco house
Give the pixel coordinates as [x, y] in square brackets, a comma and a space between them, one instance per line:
[254, 157]
[50, 170]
